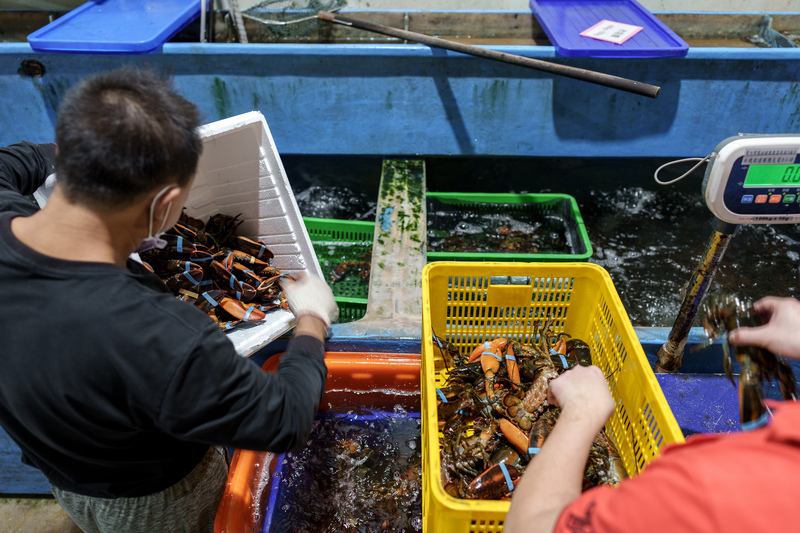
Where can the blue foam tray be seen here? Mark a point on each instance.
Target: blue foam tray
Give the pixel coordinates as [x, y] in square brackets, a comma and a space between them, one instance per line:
[115, 27]
[564, 20]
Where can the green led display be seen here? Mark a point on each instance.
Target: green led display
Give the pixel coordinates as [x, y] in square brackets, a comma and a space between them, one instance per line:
[773, 176]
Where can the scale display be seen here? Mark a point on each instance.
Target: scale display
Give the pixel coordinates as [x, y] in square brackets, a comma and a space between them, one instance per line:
[755, 179]
[772, 176]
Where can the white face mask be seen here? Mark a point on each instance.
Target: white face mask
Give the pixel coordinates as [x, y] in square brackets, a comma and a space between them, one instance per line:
[154, 240]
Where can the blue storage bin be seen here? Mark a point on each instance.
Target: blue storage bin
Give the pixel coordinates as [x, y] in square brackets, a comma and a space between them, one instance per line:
[564, 20]
[116, 27]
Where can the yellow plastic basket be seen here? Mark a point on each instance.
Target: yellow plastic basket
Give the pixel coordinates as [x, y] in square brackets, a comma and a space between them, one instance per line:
[469, 303]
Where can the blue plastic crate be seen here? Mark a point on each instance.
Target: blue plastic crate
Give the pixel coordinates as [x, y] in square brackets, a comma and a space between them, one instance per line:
[564, 20]
[116, 27]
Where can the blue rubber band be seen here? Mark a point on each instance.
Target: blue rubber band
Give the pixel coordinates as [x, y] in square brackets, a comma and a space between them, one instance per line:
[190, 278]
[180, 244]
[493, 354]
[553, 351]
[233, 279]
[757, 423]
[462, 412]
[187, 265]
[533, 451]
[205, 282]
[239, 296]
[230, 325]
[261, 251]
[511, 357]
[211, 300]
[564, 361]
[507, 476]
[441, 395]
[438, 342]
[486, 345]
[228, 257]
[247, 314]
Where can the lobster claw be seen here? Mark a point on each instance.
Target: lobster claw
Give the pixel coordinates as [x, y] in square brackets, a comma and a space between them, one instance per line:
[179, 246]
[217, 300]
[497, 344]
[176, 266]
[237, 309]
[185, 280]
[495, 482]
[255, 248]
[513, 368]
[184, 231]
[514, 435]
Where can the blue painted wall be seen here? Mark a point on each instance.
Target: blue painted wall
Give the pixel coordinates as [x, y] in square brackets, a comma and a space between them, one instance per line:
[412, 99]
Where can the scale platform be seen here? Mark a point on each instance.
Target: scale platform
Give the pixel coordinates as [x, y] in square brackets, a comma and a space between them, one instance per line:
[564, 20]
[115, 27]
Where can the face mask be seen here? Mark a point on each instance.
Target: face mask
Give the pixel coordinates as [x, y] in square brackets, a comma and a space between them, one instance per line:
[154, 240]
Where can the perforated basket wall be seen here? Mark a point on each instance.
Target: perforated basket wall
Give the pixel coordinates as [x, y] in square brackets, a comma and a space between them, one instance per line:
[468, 303]
[336, 242]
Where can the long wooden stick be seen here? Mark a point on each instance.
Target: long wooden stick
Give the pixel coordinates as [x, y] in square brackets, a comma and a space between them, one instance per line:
[615, 82]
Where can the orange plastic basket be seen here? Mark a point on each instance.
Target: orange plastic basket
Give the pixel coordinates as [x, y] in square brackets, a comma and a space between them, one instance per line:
[372, 380]
[469, 303]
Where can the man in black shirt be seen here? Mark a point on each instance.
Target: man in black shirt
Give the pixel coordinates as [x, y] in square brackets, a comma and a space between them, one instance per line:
[119, 393]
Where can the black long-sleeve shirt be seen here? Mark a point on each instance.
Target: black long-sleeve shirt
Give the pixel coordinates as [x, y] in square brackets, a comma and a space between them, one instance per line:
[112, 387]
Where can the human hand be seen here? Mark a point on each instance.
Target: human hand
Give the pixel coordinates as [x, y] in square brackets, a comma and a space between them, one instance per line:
[309, 295]
[780, 333]
[583, 392]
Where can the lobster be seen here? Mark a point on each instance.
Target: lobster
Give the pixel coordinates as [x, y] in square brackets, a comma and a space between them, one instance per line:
[723, 313]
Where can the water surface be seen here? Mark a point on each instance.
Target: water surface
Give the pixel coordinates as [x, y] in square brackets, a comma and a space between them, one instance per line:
[649, 237]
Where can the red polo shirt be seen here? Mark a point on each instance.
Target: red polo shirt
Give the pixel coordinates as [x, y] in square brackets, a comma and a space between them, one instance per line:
[745, 481]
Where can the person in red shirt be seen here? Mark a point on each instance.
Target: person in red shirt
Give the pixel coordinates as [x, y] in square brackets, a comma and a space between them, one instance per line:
[744, 481]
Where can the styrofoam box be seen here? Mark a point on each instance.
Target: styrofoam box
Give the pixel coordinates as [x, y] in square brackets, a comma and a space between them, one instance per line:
[240, 171]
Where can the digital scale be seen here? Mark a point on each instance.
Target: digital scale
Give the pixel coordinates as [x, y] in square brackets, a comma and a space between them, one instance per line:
[750, 179]
[754, 179]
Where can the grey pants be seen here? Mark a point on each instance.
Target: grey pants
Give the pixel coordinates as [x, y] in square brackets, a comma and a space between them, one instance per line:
[189, 506]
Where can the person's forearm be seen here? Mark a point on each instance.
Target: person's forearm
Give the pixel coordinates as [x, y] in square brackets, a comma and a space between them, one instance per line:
[554, 477]
[310, 325]
[23, 167]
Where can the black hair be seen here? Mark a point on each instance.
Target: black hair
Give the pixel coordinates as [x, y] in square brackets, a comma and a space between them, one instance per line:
[122, 134]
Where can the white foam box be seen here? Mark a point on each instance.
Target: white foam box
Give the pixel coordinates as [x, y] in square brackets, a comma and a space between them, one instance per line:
[241, 173]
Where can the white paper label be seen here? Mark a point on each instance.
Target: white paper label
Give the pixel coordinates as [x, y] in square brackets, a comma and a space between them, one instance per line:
[614, 32]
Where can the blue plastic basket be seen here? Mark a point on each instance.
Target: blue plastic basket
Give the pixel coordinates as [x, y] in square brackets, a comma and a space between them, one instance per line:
[564, 20]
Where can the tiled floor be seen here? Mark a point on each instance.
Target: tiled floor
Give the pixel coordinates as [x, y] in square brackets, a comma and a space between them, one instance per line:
[24, 515]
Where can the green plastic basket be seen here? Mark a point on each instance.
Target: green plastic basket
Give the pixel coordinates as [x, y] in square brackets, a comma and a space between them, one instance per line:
[561, 208]
[336, 242]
